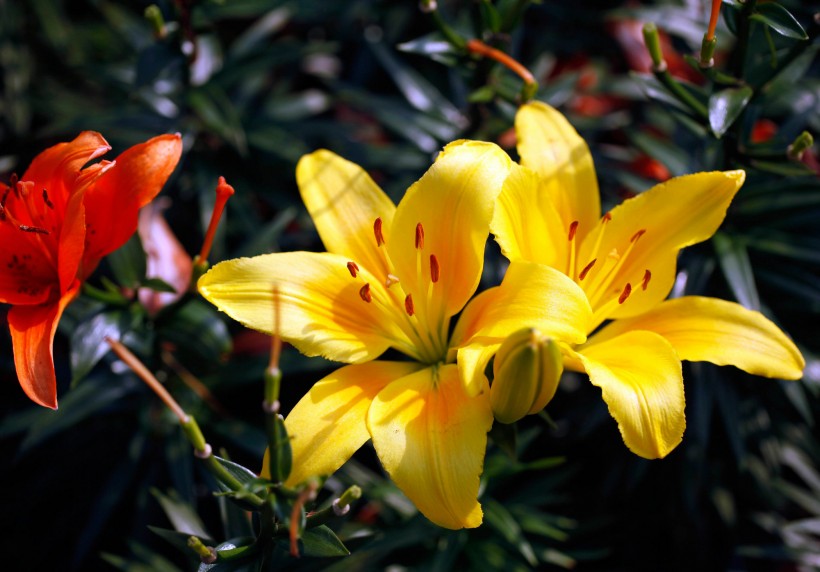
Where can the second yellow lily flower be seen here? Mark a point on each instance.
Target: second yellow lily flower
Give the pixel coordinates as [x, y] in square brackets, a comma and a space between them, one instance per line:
[625, 263]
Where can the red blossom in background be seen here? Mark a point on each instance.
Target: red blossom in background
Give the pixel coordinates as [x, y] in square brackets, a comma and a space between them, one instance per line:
[166, 259]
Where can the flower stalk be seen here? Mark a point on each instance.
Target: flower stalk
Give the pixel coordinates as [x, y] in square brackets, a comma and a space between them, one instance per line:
[707, 48]
[661, 72]
[530, 86]
[280, 457]
[207, 554]
[339, 507]
[190, 428]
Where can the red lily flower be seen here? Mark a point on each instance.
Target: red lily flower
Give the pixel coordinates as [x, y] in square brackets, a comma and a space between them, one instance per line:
[56, 223]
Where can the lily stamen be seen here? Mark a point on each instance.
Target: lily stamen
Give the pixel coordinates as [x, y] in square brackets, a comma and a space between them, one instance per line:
[625, 294]
[419, 236]
[435, 269]
[364, 293]
[647, 276]
[607, 275]
[587, 268]
[353, 268]
[377, 230]
[408, 305]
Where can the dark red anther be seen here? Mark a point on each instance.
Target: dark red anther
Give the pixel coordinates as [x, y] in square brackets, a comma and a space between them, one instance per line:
[48, 202]
[435, 269]
[353, 268]
[625, 294]
[14, 183]
[606, 218]
[647, 276]
[586, 269]
[364, 293]
[573, 228]
[419, 236]
[408, 305]
[637, 235]
[377, 230]
[34, 229]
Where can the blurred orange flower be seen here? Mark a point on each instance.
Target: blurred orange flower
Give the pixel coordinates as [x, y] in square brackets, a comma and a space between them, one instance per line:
[57, 222]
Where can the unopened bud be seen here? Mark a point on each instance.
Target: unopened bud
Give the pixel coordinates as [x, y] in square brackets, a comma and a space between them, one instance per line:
[526, 373]
[653, 46]
[803, 142]
[154, 16]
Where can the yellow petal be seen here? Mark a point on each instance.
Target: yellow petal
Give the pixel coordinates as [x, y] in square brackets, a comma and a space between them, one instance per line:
[672, 215]
[472, 361]
[533, 296]
[720, 332]
[329, 424]
[431, 436]
[320, 308]
[640, 377]
[344, 203]
[453, 202]
[526, 224]
[550, 146]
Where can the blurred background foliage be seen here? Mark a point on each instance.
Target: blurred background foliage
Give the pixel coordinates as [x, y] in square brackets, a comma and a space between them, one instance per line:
[108, 481]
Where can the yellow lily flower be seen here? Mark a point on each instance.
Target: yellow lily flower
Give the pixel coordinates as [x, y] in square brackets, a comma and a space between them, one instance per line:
[393, 277]
[625, 262]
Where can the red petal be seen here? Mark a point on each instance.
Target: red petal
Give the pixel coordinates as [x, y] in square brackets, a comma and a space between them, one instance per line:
[32, 335]
[27, 269]
[112, 202]
[57, 168]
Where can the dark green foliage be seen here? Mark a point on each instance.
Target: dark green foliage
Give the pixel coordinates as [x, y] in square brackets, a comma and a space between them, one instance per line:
[108, 481]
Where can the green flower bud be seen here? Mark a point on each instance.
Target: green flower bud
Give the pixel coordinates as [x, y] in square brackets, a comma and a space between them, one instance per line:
[526, 372]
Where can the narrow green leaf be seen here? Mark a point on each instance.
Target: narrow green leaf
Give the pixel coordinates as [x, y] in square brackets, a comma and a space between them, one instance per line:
[176, 538]
[490, 16]
[504, 436]
[726, 106]
[322, 542]
[417, 90]
[779, 19]
[157, 285]
[434, 46]
[78, 404]
[128, 263]
[181, 514]
[217, 112]
[500, 519]
[196, 328]
[88, 344]
[242, 474]
[734, 261]
[787, 169]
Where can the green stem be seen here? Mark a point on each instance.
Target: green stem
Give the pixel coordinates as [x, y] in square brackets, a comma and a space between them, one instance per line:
[203, 451]
[450, 35]
[338, 508]
[681, 93]
[743, 39]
